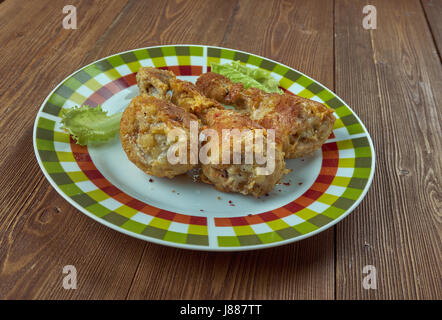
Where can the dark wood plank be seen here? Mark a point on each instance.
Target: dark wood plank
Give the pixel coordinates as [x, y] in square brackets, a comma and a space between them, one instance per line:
[391, 76]
[39, 231]
[36, 54]
[47, 235]
[285, 31]
[278, 273]
[296, 33]
[152, 23]
[433, 12]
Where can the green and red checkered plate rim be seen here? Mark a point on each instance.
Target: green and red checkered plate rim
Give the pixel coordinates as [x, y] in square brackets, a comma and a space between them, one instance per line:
[348, 158]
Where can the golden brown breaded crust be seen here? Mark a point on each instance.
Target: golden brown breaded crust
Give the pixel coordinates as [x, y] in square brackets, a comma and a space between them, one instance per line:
[302, 125]
[242, 178]
[154, 82]
[144, 127]
[214, 85]
[147, 119]
[218, 120]
[187, 96]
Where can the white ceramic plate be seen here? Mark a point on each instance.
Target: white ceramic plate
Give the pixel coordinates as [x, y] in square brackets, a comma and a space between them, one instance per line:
[102, 183]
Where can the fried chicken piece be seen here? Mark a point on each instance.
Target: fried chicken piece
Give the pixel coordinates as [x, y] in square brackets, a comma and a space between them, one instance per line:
[186, 95]
[144, 129]
[246, 177]
[302, 125]
[243, 176]
[154, 82]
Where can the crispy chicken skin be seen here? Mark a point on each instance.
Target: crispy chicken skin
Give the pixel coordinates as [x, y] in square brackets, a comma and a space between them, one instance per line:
[154, 82]
[188, 96]
[243, 178]
[149, 117]
[144, 127]
[302, 125]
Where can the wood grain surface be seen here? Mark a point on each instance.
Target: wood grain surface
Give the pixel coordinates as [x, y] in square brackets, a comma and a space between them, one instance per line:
[390, 76]
[433, 12]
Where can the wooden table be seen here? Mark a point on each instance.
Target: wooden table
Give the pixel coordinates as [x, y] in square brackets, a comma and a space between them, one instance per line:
[391, 77]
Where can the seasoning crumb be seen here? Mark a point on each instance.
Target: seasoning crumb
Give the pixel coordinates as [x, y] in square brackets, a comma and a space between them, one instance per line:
[230, 201]
[219, 198]
[173, 190]
[201, 210]
[286, 183]
[232, 204]
[266, 194]
[150, 180]
[299, 183]
[279, 190]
